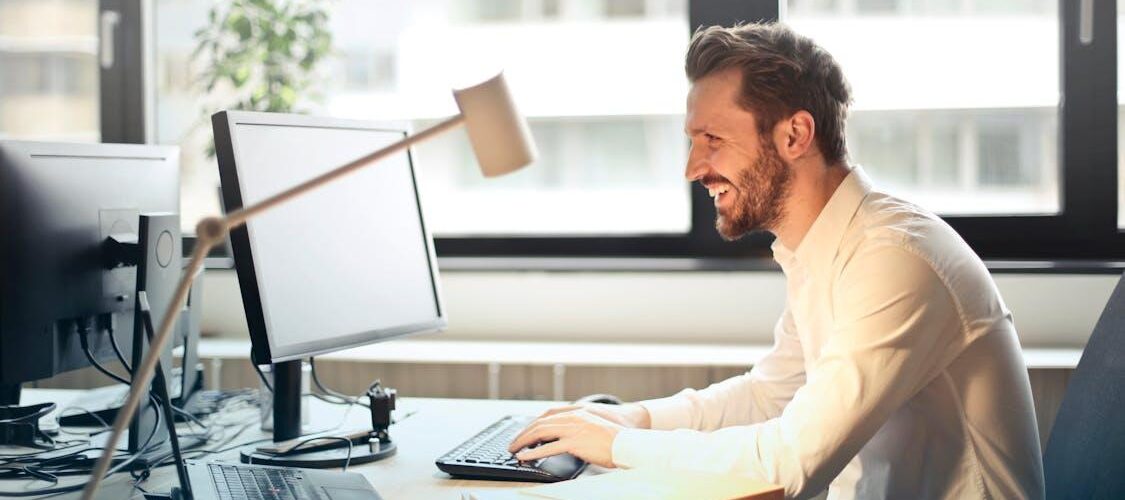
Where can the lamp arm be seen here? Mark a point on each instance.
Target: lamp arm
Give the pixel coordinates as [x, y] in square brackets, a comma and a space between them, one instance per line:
[209, 233]
[143, 373]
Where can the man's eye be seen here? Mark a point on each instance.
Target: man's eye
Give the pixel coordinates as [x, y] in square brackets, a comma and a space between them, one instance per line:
[711, 138]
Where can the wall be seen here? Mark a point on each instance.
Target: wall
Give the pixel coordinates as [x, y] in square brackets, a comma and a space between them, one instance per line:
[735, 307]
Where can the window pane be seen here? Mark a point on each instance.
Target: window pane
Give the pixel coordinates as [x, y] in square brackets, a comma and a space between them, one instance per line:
[964, 124]
[601, 82]
[49, 70]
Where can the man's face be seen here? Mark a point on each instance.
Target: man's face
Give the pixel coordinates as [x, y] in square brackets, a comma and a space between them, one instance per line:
[741, 169]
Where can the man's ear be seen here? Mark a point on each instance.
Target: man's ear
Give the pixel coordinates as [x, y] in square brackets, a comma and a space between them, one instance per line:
[794, 135]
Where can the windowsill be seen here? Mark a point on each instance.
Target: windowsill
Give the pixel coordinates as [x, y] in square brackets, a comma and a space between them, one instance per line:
[484, 352]
[688, 264]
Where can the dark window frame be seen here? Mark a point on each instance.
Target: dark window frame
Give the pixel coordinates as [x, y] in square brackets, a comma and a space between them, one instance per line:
[1085, 229]
[122, 85]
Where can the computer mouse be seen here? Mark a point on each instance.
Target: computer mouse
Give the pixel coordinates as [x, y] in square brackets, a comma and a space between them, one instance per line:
[608, 399]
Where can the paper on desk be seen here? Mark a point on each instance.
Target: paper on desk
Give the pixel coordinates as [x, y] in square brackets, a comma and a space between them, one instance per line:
[656, 484]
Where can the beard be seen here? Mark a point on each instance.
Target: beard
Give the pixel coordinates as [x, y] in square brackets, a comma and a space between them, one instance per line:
[760, 191]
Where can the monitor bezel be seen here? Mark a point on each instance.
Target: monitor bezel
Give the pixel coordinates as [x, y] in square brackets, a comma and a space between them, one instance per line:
[263, 350]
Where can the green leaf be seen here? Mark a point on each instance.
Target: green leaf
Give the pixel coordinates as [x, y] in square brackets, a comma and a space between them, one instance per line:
[241, 74]
[241, 25]
[268, 50]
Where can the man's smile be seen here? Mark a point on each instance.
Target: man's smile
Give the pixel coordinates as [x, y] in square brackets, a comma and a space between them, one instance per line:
[718, 191]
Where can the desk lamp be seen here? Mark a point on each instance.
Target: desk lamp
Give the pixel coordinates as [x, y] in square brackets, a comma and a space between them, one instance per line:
[501, 143]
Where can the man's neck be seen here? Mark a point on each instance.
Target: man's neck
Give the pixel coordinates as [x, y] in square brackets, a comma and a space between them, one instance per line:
[812, 186]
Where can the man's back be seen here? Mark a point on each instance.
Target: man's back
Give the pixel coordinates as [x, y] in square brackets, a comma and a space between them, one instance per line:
[970, 431]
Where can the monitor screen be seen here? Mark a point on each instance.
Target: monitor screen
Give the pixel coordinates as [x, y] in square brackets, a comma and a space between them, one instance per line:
[347, 264]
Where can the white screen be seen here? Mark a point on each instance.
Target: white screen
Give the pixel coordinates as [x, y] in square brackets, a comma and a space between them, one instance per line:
[348, 258]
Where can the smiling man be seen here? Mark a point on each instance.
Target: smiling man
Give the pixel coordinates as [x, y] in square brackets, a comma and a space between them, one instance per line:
[895, 371]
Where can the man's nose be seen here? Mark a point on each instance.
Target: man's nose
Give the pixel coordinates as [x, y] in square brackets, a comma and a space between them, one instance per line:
[696, 167]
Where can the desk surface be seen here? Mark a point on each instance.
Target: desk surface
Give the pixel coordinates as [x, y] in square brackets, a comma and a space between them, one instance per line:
[431, 427]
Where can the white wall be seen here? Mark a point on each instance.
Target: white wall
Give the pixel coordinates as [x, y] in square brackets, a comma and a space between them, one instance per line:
[1050, 310]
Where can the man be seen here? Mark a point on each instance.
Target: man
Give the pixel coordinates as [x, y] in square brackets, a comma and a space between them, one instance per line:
[895, 372]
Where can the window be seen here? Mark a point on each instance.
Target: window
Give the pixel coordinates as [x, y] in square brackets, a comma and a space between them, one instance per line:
[963, 106]
[48, 70]
[611, 144]
[977, 110]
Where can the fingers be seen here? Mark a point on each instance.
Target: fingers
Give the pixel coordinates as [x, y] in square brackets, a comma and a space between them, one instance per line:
[547, 416]
[536, 433]
[542, 451]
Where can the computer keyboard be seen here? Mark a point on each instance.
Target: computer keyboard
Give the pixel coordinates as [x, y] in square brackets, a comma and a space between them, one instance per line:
[236, 482]
[485, 456]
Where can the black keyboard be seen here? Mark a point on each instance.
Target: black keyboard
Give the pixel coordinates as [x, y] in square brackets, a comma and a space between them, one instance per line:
[485, 456]
[234, 482]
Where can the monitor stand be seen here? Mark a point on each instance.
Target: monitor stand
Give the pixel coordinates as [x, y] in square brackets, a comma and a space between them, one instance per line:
[9, 394]
[322, 454]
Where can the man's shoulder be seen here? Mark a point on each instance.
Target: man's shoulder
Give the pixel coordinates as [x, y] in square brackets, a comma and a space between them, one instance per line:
[884, 220]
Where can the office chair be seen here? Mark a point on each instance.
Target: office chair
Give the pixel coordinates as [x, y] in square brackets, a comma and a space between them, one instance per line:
[1086, 450]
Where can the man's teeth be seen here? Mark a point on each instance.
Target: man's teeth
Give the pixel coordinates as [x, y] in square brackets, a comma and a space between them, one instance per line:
[717, 191]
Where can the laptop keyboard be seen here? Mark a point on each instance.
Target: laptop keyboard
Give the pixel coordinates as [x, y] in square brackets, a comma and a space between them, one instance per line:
[236, 482]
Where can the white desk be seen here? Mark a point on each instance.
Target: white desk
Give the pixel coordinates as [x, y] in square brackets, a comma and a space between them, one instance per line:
[435, 428]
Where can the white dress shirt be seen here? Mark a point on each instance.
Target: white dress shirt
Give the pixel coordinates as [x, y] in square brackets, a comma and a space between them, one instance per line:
[895, 372]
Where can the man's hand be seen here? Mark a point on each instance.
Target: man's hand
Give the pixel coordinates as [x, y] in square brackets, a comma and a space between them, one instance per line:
[627, 415]
[585, 431]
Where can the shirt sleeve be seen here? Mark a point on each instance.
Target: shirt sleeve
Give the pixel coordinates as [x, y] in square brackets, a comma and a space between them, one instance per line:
[752, 397]
[895, 328]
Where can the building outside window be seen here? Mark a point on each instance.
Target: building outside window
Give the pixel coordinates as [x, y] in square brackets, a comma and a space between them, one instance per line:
[956, 101]
[49, 70]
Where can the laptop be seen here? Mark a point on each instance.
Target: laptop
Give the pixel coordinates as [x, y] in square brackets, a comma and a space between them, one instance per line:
[236, 481]
[230, 481]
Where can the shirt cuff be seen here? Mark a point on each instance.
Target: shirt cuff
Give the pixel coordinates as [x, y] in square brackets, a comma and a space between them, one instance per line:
[673, 412]
[641, 448]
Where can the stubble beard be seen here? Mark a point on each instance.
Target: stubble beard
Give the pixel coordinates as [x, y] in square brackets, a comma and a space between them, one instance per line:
[761, 190]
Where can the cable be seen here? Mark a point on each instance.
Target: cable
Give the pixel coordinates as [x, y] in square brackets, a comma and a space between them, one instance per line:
[83, 330]
[261, 376]
[190, 418]
[227, 400]
[347, 460]
[62, 463]
[76, 487]
[343, 398]
[319, 385]
[105, 426]
[117, 351]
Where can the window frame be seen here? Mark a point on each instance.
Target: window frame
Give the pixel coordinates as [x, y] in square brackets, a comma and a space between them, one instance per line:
[1084, 230]
[124, 100]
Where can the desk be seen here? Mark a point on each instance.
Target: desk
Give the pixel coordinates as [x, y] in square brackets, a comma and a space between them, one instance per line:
[434, 427]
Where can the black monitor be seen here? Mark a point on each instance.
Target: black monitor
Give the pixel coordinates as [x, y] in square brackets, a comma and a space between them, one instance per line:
[349, 264]
[58, 205]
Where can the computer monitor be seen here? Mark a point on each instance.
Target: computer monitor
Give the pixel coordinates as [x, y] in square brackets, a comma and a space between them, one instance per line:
[349, 264]
[58, 205]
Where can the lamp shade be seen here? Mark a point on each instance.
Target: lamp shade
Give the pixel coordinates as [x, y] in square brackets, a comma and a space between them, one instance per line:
[500, 137]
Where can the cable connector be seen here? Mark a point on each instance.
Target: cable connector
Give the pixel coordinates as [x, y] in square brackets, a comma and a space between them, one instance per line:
[382, 401]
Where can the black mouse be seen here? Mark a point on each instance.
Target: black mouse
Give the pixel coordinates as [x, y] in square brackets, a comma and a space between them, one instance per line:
[608, 399]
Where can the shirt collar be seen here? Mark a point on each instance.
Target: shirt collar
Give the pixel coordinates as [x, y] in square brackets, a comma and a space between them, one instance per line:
[821, 242]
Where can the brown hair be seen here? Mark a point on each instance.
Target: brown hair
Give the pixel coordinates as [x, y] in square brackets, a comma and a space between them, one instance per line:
[782, 73]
